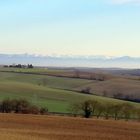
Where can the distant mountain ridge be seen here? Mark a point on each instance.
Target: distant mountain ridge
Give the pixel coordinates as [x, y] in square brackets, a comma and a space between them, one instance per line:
[71, 60]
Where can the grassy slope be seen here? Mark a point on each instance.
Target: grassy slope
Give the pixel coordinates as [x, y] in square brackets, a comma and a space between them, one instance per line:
[45, 90]
[127, 85]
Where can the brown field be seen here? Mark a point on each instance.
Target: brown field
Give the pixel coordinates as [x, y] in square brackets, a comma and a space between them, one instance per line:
[32, 127]
[127, 87]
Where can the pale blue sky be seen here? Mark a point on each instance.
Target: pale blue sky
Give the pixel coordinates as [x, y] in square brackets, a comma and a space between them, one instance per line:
[79, 27]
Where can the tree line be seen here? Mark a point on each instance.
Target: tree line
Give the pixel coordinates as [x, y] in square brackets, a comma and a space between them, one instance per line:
[90, 108]
[87, 109]
[29, 66]
[21, 106]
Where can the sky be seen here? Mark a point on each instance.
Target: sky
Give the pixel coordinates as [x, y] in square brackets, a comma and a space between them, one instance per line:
[70, 27]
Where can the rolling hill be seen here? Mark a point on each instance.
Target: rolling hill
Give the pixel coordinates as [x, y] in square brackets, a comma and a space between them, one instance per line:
[55, 92]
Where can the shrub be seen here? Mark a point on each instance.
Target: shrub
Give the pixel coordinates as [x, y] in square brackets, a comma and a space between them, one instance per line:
[86, 90]
[43, 111]
[20, 106]
[6, 106]
[34, 110]
[86, 108]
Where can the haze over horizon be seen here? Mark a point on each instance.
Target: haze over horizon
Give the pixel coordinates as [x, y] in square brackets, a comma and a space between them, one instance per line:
[71, 61]
[100, 27]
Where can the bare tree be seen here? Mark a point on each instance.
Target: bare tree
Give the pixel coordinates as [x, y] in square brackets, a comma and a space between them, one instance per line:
[138, 113]
[75, 109]
[76, 73]
[107, 110]
[116, 110]
[99, 109]
[127, 110]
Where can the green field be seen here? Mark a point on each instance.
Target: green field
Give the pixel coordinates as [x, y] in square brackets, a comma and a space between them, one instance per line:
[56, 93]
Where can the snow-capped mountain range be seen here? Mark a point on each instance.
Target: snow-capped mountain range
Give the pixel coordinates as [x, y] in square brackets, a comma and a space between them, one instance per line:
[71, 60]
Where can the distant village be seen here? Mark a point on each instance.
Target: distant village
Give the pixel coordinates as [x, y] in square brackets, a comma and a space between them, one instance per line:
[29, 66]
